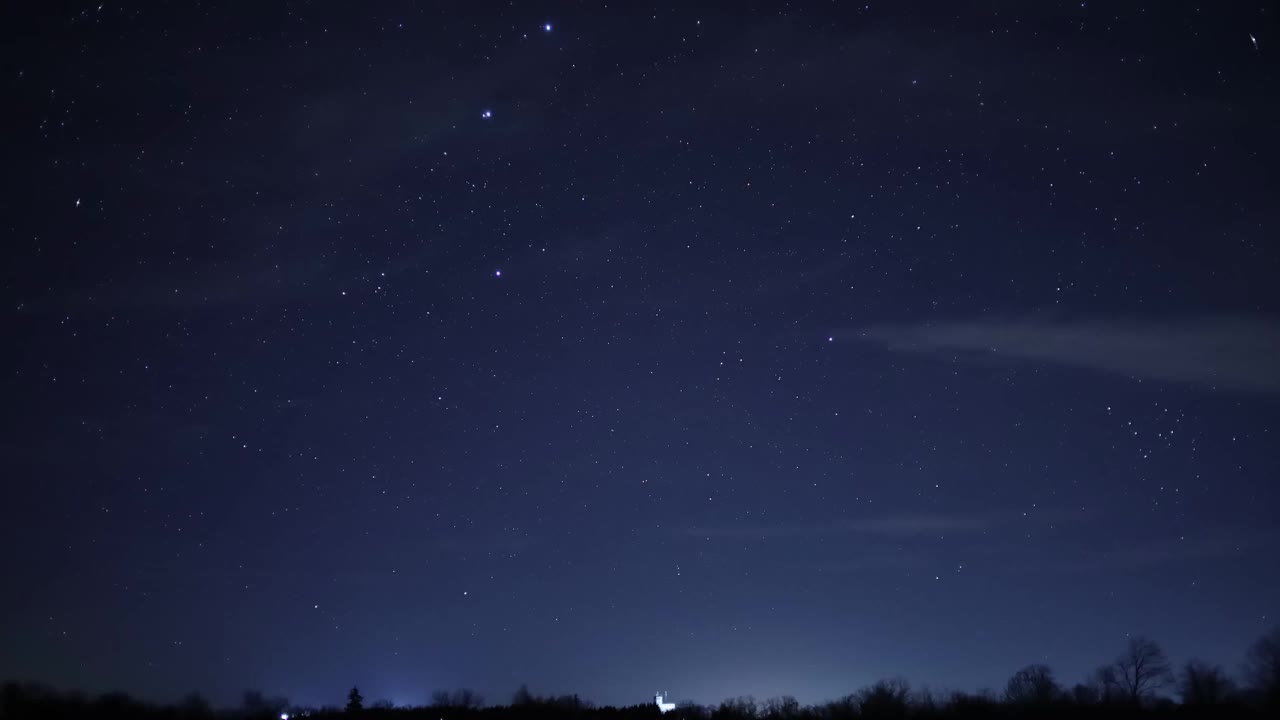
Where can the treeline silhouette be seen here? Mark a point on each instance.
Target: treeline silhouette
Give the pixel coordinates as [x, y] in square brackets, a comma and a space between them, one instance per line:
[1139, 682]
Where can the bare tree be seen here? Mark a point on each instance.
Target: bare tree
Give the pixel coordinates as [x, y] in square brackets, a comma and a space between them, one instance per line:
[885, 699]
[1032, 685]
[965, 704]
[253, 702]
[1262, 667]
[845, 708]
[689, 710]
[463, 699]
[1085, 694]
[781, 708]
[523, 696]
[740, 708]
[1203, 684]
[1106, 684]
[923, 701]
[1142, 669]
[195, 705]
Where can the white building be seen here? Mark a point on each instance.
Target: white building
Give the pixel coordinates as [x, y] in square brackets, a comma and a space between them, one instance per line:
[663, 706]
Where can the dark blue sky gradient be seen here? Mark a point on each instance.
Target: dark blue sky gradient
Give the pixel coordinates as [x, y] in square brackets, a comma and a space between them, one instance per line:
[737, 351]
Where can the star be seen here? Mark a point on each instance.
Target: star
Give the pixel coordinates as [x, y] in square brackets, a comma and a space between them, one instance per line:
[654, 355]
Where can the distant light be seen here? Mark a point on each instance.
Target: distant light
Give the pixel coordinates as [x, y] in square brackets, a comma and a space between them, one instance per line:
[284, 716]
[497, 273]
[831, 338]
[486, 114]
[546, 27]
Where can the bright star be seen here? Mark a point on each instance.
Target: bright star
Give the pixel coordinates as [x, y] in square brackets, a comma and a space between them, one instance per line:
[497, 273]
[546, 27]
[486, 114]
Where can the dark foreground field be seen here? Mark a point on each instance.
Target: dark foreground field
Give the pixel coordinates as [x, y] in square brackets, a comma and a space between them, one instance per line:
[884, 700]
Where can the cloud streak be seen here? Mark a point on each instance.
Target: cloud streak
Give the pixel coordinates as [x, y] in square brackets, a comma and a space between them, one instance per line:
[1220, 351]
[892, 526]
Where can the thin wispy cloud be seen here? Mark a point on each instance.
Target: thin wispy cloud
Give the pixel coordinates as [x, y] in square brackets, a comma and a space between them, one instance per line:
[1182, 551]
[896, 526]
[1209, 546]
[1235, 352]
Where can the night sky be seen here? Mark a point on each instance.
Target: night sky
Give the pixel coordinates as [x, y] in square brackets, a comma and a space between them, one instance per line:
[618, 348]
